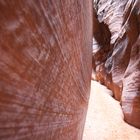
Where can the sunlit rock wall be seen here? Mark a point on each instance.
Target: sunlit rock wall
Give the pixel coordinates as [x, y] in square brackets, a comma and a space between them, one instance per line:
[45, 68]
[116, 52]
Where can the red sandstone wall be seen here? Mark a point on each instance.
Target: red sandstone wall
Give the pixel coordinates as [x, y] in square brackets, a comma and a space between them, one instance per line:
[117, 61]
[45, 68]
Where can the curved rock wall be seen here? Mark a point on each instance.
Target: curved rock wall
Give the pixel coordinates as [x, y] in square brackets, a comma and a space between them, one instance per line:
[117, 61]
[45, 68]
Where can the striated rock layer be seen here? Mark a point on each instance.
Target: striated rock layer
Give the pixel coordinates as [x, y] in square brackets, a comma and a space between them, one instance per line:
[116, 52]
[45, 68]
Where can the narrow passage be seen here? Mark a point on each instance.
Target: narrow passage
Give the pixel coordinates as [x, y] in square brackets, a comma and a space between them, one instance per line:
[104, 119]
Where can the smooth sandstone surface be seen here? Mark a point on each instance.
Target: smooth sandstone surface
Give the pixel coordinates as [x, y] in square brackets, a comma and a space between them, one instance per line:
[45, 68]
[116, 52]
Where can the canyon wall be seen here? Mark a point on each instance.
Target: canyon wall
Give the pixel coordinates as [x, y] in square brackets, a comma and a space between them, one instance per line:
[116, 52]
[45, 68]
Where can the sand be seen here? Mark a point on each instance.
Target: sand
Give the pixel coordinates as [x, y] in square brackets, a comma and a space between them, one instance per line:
[104, 119]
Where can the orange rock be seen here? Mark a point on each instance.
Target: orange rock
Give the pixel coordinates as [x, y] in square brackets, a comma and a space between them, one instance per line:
[45, 68]
[115, 67]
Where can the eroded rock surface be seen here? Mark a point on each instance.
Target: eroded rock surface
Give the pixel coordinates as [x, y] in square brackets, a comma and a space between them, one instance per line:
[116, 52]
[45, 68]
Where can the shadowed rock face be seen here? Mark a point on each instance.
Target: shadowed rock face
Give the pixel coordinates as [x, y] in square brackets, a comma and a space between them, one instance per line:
[45, 68]
[117, 62]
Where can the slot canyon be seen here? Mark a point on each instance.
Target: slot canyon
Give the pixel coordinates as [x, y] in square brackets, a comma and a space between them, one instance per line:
[69, 69]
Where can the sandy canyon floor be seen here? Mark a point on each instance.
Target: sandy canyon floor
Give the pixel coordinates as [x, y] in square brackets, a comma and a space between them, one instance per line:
[104, 119]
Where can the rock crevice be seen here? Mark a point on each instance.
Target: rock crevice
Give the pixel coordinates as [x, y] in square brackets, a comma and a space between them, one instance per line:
[116, 62]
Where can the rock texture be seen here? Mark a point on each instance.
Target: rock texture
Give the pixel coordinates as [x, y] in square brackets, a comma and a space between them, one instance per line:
[45, 68]
[116, 52]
